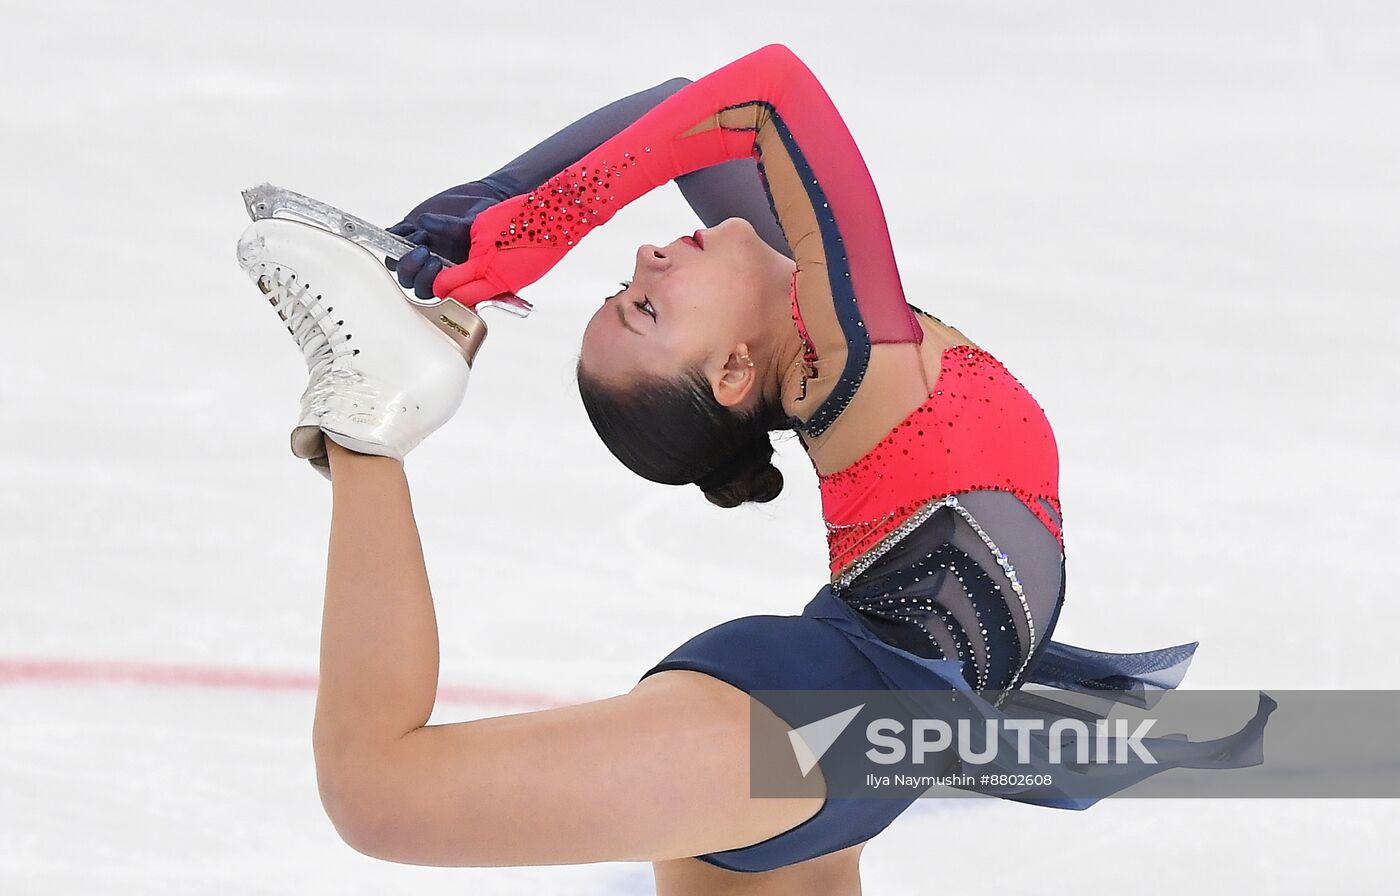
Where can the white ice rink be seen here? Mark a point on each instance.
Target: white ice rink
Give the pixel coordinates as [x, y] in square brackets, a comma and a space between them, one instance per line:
[1177, 223]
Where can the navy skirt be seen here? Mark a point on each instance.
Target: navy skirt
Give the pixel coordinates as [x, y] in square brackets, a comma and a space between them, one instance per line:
[833, 647]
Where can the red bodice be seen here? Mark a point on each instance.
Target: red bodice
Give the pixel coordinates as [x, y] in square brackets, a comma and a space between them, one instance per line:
[980, 429]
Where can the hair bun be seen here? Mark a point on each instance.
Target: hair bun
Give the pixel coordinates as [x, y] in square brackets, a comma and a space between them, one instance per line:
[748, 476]
[760, 486]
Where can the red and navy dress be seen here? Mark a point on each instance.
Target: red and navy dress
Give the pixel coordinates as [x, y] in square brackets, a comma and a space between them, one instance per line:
[945, 541]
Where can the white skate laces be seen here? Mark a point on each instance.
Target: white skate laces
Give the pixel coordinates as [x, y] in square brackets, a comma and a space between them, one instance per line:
[401, 379]
[321, 340]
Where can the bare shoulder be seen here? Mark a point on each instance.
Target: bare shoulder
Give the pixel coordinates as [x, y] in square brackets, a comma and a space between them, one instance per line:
[661, 772]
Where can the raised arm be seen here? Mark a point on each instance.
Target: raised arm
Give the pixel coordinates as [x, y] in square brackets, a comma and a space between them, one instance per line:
[732, 189]
[767, 105]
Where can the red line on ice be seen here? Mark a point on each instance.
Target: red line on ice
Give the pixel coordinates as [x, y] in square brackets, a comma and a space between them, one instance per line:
[56, 671]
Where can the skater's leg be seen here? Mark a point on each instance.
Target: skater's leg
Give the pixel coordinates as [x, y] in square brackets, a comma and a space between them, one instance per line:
[834, 873]
[598, 781]
[612, 780]
[379, 642]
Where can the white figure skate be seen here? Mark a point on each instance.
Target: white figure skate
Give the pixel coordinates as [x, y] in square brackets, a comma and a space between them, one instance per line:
[384, 372]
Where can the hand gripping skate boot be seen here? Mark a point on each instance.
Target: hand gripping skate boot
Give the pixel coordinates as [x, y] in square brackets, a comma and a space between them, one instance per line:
[384, 374]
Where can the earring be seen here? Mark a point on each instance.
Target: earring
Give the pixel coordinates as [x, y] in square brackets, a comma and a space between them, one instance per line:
[747, 359]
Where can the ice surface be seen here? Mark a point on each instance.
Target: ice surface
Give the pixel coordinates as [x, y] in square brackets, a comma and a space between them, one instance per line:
[1176, 223]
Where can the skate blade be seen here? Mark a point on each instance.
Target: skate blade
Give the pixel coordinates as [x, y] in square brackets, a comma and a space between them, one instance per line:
[270, 201]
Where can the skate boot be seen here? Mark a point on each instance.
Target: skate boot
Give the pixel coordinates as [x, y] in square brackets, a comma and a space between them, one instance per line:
[384, 372]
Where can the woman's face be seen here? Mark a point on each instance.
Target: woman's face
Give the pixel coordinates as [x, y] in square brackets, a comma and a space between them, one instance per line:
[689, 303]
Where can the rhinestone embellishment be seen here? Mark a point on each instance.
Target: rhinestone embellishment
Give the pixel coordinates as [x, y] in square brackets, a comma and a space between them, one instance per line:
[564, 208]
[842, 582]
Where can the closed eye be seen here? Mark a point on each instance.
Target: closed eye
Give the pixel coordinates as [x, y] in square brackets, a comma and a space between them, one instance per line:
[643, 306]
[625, 285]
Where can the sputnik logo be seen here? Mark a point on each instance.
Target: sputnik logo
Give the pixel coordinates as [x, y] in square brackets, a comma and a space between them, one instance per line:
[811, 741]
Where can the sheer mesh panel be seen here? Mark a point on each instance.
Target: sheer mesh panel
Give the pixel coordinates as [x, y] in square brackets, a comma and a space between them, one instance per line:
[942, 592]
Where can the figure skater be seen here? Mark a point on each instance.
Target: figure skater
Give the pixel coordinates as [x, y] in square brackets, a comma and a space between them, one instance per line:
[938, 474]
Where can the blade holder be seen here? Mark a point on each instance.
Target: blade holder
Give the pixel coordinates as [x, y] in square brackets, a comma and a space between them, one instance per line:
[271, 201]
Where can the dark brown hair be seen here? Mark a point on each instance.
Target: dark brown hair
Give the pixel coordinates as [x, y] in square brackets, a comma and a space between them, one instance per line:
[675, 432]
